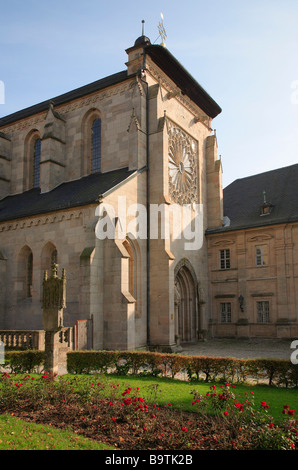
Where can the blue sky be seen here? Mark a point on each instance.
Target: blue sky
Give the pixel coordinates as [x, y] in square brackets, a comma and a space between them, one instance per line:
[244, 53]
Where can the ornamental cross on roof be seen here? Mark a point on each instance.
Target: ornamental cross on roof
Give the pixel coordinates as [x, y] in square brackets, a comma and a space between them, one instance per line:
[162, 31]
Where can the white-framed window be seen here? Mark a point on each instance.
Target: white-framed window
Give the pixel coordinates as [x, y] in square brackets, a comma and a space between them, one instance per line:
[225, 312]
[263, 311]
[261, 255]
[225, 259]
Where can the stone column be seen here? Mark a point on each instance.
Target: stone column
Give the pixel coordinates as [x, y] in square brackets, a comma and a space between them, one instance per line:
[53, 303]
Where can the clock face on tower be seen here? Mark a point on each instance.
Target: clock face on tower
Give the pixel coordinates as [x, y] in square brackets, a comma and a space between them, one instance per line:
[182, 154]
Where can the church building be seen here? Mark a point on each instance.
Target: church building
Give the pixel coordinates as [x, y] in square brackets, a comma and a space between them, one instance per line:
[119, 183]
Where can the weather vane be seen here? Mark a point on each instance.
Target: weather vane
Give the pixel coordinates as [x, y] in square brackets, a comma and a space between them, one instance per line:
[162, 31]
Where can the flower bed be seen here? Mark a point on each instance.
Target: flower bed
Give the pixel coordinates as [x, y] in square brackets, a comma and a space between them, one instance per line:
[128, 419]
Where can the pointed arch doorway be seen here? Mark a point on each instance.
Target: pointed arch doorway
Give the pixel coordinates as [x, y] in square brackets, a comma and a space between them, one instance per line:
[186, 304]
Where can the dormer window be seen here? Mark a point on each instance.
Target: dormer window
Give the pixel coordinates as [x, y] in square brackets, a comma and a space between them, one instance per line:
[266, 207]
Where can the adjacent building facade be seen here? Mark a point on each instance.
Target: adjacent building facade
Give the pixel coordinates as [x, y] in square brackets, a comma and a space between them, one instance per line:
[253, 258]
[93, 181]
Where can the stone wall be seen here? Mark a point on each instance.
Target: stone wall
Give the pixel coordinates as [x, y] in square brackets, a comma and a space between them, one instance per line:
[274, 282]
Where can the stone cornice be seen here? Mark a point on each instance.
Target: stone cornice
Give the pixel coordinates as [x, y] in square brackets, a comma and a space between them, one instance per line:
[171, 88]
[92, 99]
[49, 218]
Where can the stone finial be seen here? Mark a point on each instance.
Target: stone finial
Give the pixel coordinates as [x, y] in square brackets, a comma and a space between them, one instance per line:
[54, 289]
[55, 270]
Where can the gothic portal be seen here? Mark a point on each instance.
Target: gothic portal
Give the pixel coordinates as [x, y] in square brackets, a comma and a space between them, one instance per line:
[186, 305]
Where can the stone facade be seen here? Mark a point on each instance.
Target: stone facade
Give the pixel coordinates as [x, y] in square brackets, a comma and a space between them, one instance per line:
[253, 260]
[257, 294]
[157, 150]
[126, 285]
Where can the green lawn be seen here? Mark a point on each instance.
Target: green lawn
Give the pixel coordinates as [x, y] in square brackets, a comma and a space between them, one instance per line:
[16, 434]
[179, 392]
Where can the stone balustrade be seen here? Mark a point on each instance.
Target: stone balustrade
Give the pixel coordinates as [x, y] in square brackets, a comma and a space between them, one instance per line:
[22, 339]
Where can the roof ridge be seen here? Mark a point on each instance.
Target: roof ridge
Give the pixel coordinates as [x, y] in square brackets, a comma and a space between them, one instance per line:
[65, 97]
[275, 170]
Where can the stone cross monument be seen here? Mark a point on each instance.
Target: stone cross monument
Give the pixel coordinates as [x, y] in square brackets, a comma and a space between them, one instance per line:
[53, 303]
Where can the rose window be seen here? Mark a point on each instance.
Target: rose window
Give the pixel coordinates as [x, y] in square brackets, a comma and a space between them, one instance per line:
[182, 167]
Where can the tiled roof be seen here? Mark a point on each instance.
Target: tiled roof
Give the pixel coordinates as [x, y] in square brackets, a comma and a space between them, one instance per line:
[161, 56]
[188, 85]
[68, 195]
[244, 197]
[66, 97]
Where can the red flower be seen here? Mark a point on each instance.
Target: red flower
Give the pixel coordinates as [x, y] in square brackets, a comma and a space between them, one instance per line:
[291, 412]
[226, 413]
[184, 429]
[271, 425]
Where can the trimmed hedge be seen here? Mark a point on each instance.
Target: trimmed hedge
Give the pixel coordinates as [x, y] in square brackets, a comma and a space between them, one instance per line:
[24, 361]
[277, 372]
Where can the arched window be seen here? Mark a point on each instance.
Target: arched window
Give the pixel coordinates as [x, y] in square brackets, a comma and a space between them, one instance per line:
[36, 163]
[131, 269]
[96, 146]
[25, 273]
[29, 275]
[49, 256]
[54, 257]
[92, 142]
[32, 153]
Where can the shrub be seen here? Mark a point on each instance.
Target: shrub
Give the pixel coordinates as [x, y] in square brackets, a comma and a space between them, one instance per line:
[85, 362]
[248, 426]
[24, 361]
[275, 371]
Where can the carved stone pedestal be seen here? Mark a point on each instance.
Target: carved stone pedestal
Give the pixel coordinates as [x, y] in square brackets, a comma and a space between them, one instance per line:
[53, 304]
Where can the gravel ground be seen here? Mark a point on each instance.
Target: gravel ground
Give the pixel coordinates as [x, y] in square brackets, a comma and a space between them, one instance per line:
[243, 349]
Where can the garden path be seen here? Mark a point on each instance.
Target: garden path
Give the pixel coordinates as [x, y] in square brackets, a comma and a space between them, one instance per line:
[241, 349]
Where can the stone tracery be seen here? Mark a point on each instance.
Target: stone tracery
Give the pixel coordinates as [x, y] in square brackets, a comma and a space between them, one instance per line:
[182, 163]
